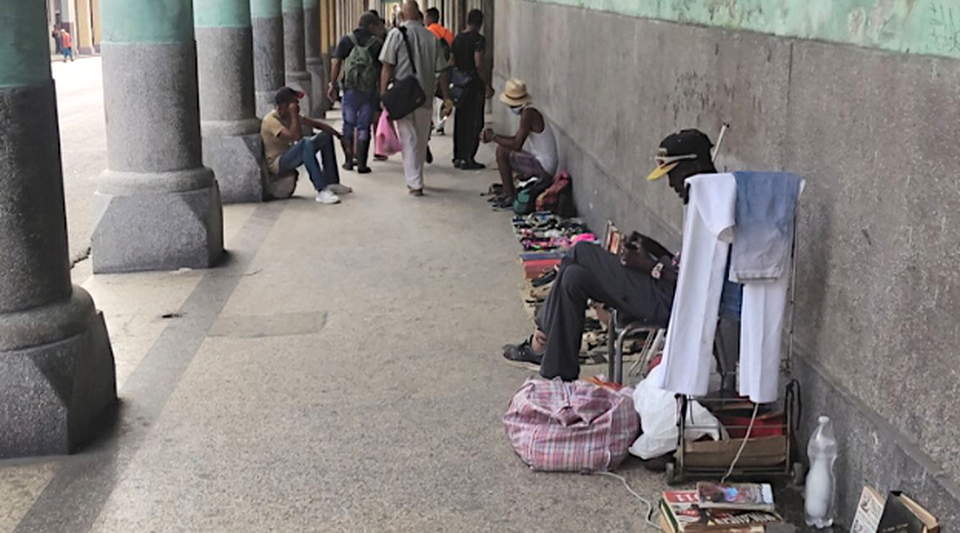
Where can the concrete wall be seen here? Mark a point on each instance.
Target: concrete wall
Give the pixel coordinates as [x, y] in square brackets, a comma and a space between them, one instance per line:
[872, 132]
[909, 26]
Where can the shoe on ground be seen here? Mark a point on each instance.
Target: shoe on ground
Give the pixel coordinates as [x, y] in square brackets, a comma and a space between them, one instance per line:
[416, 192]
[379, 157]
[522, 355]
[458, 163]
[504, 202]
[348, 165]
[339, 188]
[440, 131]
[472, 165]
[327, 197]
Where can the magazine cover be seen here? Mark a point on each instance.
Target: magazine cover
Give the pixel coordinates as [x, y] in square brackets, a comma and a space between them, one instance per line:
[750, 496]
[686, 515]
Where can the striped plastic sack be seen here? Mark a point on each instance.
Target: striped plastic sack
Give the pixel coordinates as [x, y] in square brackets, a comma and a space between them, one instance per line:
[558, 426]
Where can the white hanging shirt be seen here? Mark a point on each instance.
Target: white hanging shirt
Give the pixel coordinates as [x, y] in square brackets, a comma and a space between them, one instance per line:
[707, 233]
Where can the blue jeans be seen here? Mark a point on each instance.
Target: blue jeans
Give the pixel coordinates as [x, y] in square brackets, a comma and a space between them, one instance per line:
[358, 109]
[304, 152]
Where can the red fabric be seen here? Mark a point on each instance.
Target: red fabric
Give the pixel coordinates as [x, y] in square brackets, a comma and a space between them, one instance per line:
[552, 195]
[65, 40]
[558, 426]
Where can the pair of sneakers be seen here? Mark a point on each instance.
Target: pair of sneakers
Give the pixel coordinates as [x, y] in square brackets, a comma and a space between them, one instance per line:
[329, 194]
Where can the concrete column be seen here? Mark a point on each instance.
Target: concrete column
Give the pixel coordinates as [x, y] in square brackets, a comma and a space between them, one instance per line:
[232, 147]
[56, 366]
[158, 206]
[268, 66]
[84, 35]
[294, 52]
[318, 76]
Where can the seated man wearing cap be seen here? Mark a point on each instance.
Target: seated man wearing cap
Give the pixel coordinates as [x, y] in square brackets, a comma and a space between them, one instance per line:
[639, 283]
[286, 148]
[531, 151]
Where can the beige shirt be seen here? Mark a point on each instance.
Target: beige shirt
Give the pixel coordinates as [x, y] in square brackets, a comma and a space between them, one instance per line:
[427, 56]
[273, 144]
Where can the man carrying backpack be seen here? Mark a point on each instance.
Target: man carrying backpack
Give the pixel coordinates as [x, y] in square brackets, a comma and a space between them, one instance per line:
[356, 57]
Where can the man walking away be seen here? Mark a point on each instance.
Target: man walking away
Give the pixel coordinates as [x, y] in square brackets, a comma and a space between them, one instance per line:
[445, 36]
[424, 60]
[56, 39]
[468, 51]
[286, 147]
[357, 54]
[531, 151]
[67, 43]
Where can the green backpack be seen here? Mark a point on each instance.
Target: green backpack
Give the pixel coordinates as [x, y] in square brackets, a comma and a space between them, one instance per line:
[360, 69]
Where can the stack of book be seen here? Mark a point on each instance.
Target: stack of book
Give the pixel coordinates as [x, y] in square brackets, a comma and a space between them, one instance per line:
[739, 508]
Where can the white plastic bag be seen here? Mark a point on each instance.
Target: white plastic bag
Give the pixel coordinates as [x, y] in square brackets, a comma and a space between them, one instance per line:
[658, 419]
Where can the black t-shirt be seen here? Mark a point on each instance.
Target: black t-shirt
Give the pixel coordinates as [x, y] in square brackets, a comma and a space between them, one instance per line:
[345, 46]
[464, 46]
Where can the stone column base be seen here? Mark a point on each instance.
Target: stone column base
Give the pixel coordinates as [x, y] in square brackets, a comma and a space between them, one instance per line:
[301, 82]
[239, 166]
[157, 230]
[57, 377]
[318, 84]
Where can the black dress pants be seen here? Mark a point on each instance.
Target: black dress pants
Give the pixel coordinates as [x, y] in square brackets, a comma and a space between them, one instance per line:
[588, 272]
[468, 122]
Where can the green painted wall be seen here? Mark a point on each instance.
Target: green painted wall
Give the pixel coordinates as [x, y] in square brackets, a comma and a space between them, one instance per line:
[265, 9]
[910, 26]
[292, 5]
[24, 50]
[311, 4]
[221, 13]
[146, 21]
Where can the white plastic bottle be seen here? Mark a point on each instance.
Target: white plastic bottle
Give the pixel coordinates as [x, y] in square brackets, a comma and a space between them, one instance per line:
[818, 495]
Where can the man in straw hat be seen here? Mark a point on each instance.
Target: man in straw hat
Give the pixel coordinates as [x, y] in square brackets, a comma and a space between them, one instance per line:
[531, 151]
[639, 283]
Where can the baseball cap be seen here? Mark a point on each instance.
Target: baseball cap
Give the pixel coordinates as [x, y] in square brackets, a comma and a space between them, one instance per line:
[679, 147]
[286, 95]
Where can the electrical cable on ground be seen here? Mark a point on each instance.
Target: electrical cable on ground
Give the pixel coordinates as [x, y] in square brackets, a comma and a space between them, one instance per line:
[648, 516]
[743, 445]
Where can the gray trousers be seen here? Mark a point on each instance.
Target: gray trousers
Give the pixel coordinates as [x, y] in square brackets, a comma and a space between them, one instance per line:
[588, 272]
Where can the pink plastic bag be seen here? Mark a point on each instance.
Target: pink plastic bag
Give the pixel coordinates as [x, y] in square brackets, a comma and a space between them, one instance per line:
[387, 142]
[570, 427]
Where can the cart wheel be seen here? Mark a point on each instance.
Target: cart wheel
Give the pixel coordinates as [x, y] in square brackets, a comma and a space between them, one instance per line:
[799, 474]
[671, 473]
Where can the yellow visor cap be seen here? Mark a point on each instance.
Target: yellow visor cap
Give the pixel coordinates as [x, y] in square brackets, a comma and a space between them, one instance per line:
[660, 171]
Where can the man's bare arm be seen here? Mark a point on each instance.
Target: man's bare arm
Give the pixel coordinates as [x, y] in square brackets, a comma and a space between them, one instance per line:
[334, 76]
[487, 86]
[443, 81]
[322, 126]
[386, 73]
[516, 141]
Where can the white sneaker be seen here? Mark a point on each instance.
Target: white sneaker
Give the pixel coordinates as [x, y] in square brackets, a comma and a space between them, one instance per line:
[338, 188]
[326, 196]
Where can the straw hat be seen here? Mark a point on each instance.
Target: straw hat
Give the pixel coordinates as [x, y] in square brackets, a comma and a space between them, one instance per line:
[514, 93]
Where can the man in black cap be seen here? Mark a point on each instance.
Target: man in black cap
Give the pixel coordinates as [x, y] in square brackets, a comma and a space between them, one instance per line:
[639, 283]
[286, 148]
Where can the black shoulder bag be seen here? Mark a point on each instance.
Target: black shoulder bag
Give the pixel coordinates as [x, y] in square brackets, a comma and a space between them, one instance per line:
[404, 95]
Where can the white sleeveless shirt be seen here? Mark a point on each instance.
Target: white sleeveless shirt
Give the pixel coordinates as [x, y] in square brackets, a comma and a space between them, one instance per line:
[543, 146]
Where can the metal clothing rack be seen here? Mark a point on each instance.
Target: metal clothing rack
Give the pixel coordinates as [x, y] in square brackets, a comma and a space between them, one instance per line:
[764, 456]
